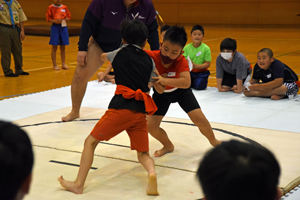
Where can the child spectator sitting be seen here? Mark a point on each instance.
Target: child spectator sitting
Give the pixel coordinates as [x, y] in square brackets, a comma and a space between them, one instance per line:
[278, 80]
[232, 67]
[199, 53]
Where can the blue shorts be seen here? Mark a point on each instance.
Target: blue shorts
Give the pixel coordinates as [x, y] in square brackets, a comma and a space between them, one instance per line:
[59, 35]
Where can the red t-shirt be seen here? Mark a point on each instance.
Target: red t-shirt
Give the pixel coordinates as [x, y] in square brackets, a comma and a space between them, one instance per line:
[173, 71]
[57, 12]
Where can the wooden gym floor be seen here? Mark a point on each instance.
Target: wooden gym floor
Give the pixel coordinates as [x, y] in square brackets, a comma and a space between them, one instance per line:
[116, 173]
[284, 42]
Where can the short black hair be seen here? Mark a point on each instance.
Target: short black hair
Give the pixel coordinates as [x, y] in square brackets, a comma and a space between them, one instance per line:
[16, 159]
[198, 27]
[134, 32]
[164, 28]
[229, 44]
[176, 35]
[268, 51]
[236, 170]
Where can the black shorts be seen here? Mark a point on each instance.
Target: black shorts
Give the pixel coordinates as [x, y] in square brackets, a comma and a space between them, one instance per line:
[230, 79]
[184, 97]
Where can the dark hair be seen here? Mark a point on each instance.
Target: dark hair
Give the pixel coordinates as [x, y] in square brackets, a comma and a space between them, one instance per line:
[229, 44]
[198, 27]
[176, 35]
[16, 159]
[134, 32]
[235, 170]
[164, 28]
[268, 51]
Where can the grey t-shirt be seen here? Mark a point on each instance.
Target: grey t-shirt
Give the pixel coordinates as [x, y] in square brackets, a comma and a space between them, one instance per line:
[239, 66]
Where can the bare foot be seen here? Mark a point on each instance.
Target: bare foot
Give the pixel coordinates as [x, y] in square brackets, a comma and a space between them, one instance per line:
[152, 185]
[163, 151]
[70, 186]
[70, 117]
[113, 81]
[277, 97]
[65, 67]
[56, 68]
[215, 142]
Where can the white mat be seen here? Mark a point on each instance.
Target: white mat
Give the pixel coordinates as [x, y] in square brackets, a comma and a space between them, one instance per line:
[227, 108]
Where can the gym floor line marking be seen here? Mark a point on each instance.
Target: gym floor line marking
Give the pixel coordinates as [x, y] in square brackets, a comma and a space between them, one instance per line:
[171, 122]
[114, 158]
[70, 164]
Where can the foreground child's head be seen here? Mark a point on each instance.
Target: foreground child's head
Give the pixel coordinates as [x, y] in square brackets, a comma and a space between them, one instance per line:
[163, 31]
[265, 58]
[197, 34]
[237, 170]
[228, 48]
[134, 32]
[173, 43]
[16, 161]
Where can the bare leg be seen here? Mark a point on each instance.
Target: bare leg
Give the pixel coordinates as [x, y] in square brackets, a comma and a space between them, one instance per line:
[63, 57]
[148, 164]
[160, 134]
[81, 77]
[202, 123]
[53, 57]
[85, 164]
[276, 94]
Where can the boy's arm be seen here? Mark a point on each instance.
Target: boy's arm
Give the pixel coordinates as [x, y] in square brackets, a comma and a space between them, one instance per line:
[104, 57]
[158, 87]
[184, 80]
[205, 65]
[68, 17]
[239, 86]
[219, 85]
[108, 69]
[266, 86]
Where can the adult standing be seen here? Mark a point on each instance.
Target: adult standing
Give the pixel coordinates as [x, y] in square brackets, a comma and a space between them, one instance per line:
[100, 32]
[11, 35]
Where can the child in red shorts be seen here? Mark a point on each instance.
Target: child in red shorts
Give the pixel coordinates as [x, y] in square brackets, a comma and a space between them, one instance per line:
[134, 70]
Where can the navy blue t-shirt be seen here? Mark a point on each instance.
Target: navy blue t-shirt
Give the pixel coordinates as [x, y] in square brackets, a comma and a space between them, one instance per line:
[277, 69]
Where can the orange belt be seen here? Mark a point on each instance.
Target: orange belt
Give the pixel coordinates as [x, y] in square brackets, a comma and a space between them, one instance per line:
[128, 93]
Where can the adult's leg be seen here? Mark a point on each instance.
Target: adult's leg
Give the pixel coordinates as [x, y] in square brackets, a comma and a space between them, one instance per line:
[81, 77]
[63, 57]
[86, 161]
[199, 119]
[160, 134]
[148, 164]
[5, 45]
[53, 57]
[16, 50]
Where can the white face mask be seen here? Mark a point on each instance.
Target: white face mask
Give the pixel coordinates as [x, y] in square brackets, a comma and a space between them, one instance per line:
[226, 55]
